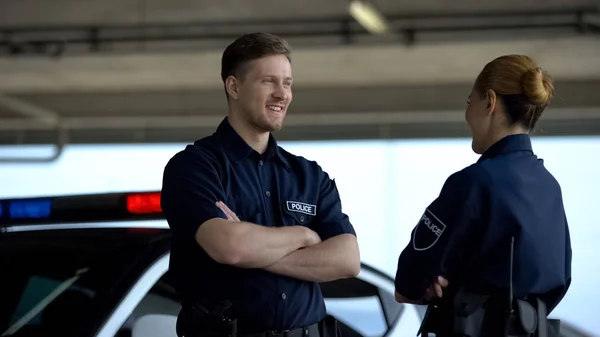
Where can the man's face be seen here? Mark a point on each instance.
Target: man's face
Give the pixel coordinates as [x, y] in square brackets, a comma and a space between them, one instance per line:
[265, 91]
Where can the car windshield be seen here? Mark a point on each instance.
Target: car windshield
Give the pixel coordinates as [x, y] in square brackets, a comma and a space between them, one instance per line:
[56, 282]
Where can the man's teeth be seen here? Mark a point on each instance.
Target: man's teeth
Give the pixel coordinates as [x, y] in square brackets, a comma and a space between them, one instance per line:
[274, 108]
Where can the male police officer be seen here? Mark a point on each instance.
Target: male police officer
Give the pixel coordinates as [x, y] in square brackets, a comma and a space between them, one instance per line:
[254, 225]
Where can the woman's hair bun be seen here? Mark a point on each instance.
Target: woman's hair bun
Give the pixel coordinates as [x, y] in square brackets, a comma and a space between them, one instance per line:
[537, 86]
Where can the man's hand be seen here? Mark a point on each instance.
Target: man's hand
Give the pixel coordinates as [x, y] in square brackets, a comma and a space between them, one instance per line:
[231, 216]
[312, 238]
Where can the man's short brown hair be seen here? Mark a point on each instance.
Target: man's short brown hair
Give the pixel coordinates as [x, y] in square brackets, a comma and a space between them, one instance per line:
[251, 47]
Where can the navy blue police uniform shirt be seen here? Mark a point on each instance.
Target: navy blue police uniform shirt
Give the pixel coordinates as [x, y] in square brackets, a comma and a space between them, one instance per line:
[273, 189]
[465, 233]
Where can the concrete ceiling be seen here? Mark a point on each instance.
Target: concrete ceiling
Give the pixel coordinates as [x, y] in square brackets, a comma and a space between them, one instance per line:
[375, 87]
[71, 12]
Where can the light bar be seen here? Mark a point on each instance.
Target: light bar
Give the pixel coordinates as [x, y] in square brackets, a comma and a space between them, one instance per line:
[89, 208]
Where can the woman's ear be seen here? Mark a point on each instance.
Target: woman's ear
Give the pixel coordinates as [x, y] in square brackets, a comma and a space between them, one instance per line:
[491, 101]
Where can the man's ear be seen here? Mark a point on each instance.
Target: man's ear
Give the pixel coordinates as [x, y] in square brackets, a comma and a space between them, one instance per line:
[491, 101]
[232, 86]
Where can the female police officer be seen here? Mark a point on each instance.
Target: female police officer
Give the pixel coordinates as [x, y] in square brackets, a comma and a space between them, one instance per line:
[506, 204]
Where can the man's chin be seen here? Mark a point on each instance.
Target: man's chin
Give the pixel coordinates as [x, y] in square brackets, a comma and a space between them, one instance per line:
[270, 127]
[275, 128]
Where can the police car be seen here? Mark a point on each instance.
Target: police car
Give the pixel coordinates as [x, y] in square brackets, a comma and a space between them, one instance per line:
[97, 265]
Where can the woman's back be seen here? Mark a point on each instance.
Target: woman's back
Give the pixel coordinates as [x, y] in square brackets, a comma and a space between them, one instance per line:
[465, 236]
[524, 201]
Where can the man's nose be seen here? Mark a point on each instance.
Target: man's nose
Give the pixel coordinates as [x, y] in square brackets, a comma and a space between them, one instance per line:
[280, 93]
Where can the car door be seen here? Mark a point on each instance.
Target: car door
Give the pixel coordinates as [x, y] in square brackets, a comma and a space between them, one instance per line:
[365, 305]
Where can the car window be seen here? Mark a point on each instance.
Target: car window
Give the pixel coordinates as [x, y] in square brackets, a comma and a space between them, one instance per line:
[161, 299]
[364, 315]
[59, 279]
[361, 307]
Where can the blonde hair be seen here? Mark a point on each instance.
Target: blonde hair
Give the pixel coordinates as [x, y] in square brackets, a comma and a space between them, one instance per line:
[522, 85]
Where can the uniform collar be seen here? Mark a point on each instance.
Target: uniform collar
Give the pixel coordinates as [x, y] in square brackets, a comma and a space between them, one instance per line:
[511, 143]
[237, 148]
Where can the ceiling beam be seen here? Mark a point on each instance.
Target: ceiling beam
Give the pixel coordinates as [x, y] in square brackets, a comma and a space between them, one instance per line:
[293, 120]
[350, 66]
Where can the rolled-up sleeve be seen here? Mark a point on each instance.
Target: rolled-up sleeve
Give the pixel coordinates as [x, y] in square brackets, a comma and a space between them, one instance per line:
[443, 237]
[191, 187]
[330, 220]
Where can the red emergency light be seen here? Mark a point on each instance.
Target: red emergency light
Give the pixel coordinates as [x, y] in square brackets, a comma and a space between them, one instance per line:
[144, 203]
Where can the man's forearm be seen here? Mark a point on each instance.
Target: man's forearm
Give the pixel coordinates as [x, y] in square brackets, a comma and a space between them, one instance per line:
[247, 245]
[332, 259]
[261, 246]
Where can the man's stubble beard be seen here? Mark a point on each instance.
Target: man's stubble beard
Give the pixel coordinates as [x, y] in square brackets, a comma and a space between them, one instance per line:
[262, 125]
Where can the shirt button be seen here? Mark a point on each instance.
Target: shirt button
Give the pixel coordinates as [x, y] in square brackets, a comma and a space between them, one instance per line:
[283, 296]
[302, 218]
[268, 193]
[260, 163]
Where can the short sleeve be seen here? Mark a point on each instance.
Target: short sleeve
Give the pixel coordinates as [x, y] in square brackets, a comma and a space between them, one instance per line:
[330, 219]
[443, 237]
[191, 187]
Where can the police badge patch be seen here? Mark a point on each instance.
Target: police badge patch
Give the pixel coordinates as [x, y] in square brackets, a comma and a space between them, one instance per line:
[300, 207]
[428, 231]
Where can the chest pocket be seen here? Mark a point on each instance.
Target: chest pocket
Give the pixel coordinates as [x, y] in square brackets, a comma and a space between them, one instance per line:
[298, 211]
[246, 208]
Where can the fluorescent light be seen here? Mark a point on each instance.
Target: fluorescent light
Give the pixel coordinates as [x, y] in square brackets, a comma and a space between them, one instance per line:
[368, 17]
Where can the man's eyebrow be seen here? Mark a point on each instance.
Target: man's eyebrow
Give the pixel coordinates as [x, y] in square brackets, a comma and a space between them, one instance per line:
[276, 76]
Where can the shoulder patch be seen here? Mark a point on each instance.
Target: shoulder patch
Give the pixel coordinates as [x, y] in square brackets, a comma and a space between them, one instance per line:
[428, 231]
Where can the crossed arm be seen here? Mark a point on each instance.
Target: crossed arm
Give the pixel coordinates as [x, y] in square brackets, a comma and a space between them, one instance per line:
[294, 251]
[192, 185]
[427, 263]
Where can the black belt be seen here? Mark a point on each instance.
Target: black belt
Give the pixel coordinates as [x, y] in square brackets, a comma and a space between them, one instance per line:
[308, 331]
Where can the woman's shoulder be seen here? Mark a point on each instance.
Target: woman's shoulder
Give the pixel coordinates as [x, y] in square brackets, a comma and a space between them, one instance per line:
[473, 174]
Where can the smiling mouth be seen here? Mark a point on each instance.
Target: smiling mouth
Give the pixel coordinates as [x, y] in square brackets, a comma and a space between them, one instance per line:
[275, 108]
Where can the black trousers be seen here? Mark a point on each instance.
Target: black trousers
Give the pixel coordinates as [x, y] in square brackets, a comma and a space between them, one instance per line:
[327, 327]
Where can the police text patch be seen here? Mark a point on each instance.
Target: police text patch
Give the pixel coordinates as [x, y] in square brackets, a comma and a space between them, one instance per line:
[295, 206]
[428, 231]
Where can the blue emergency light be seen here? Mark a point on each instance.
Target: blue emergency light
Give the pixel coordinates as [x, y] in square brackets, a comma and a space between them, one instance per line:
[30, 209]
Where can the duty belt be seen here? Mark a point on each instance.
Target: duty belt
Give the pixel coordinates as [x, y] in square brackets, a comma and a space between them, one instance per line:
[308, 331]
